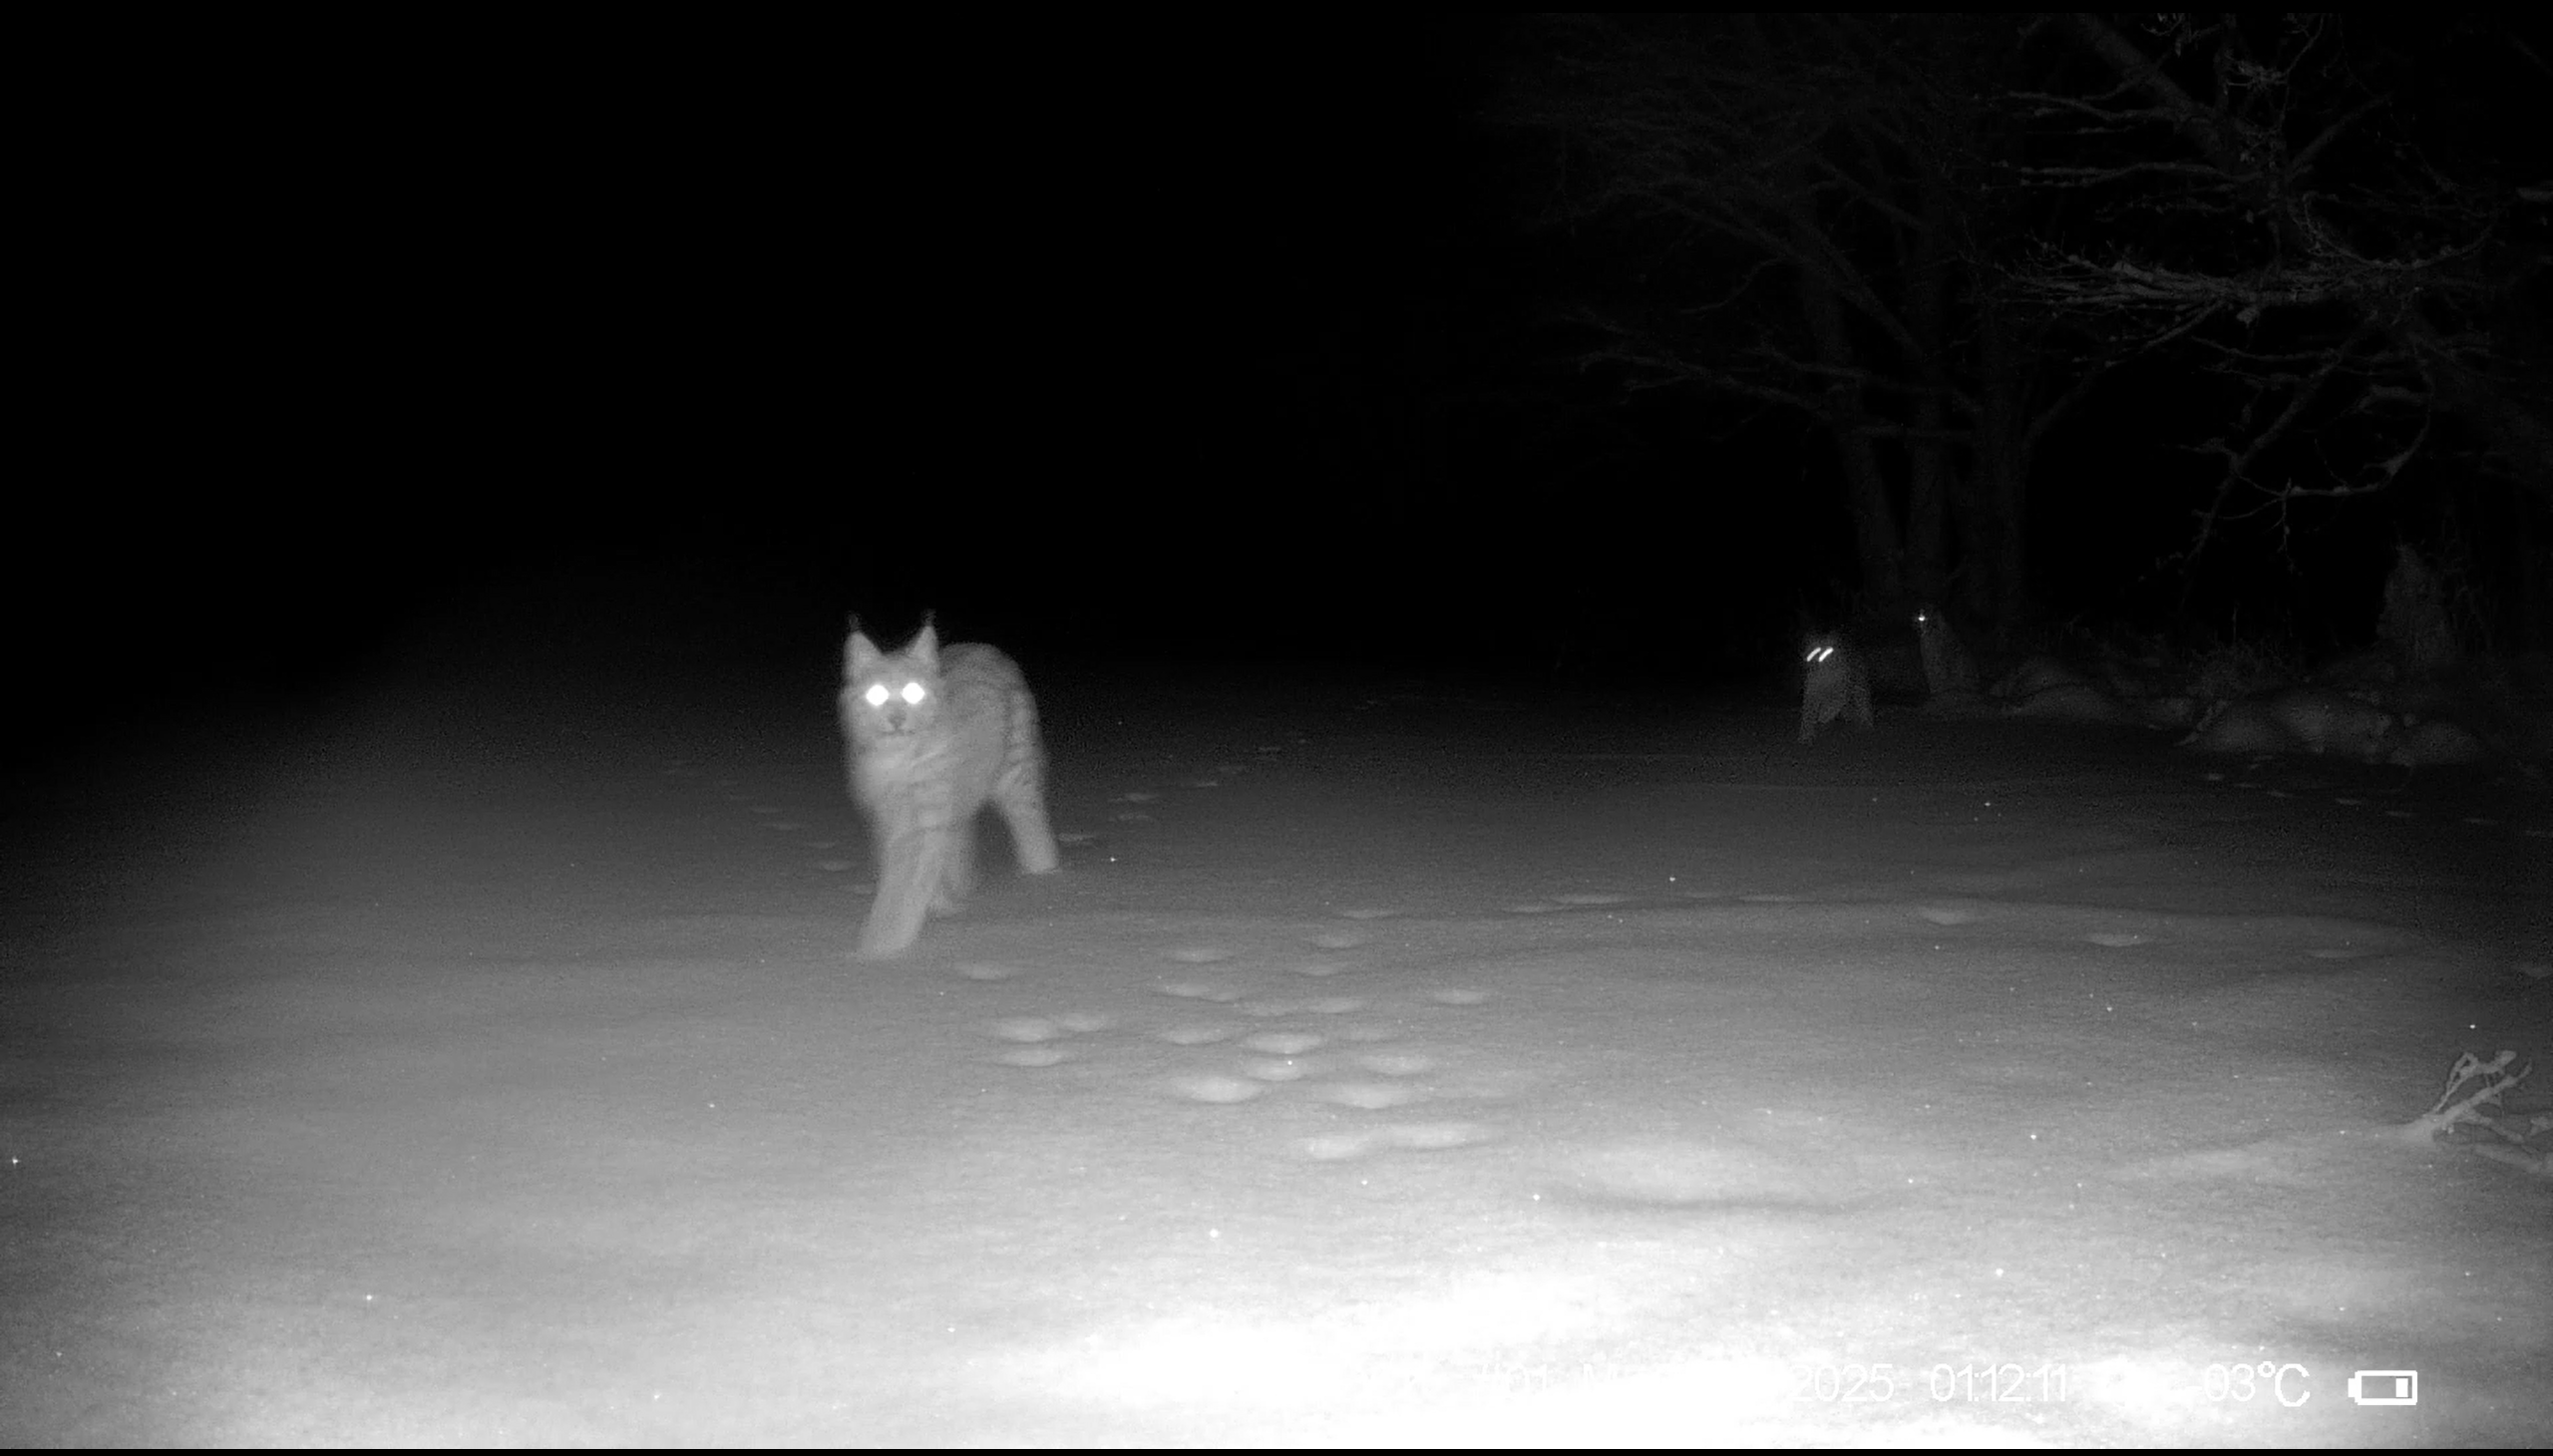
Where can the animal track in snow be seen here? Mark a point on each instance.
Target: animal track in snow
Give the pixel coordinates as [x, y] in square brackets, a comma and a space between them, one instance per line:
[1287, 1062]
[1038, 1039]
[1278, 1069]
[1414, 1136]
[1371, 1096]
[1575, 899]
[2346, 801]
[1209, 1087]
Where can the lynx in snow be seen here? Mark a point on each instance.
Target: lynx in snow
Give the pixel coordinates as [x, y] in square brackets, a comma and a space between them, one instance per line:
[935, 737]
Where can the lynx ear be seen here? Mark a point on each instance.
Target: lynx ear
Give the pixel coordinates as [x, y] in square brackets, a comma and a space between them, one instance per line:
[926, 643]
[859, 654]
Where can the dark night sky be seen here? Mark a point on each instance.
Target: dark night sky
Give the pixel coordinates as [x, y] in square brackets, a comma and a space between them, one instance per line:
[1025, 332]
[1121, 341]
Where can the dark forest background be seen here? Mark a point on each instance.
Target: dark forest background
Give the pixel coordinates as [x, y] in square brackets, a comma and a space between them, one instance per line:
[1613, 345]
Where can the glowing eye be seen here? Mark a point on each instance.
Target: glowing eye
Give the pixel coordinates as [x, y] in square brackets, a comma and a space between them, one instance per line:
[913, 694]
[875, 697]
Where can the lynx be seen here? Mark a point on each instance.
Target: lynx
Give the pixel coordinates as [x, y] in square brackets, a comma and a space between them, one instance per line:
[1948, 672]
[936, 735]
[1833, 684]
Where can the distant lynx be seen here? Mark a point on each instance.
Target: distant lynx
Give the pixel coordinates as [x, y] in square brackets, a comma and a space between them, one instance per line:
[1833, 684]
[935, 736]
[1948, 672]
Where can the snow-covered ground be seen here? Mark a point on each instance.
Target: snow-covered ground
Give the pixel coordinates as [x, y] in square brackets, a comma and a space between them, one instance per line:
[1390, 1064]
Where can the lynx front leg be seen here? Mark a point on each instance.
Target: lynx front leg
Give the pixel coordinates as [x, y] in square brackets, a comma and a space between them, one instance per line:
[908, 878]
[956, 869]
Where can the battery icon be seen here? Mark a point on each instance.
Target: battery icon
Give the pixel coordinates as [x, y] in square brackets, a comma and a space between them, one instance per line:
[2386, 1387]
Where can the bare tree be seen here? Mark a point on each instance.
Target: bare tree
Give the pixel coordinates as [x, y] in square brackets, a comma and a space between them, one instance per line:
[1800, 202]
[1936, 236]
[2269, 223]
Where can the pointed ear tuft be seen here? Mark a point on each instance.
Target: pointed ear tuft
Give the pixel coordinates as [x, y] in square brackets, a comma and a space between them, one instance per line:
[926, 645]
[859, 654]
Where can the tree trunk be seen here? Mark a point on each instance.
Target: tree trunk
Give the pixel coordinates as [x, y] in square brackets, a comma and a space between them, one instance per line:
[1874, 534]
[1998, 563]
[1930, 476]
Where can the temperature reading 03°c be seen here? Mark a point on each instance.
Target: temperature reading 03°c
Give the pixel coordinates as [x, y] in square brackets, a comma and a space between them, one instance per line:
[2284, 1384]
